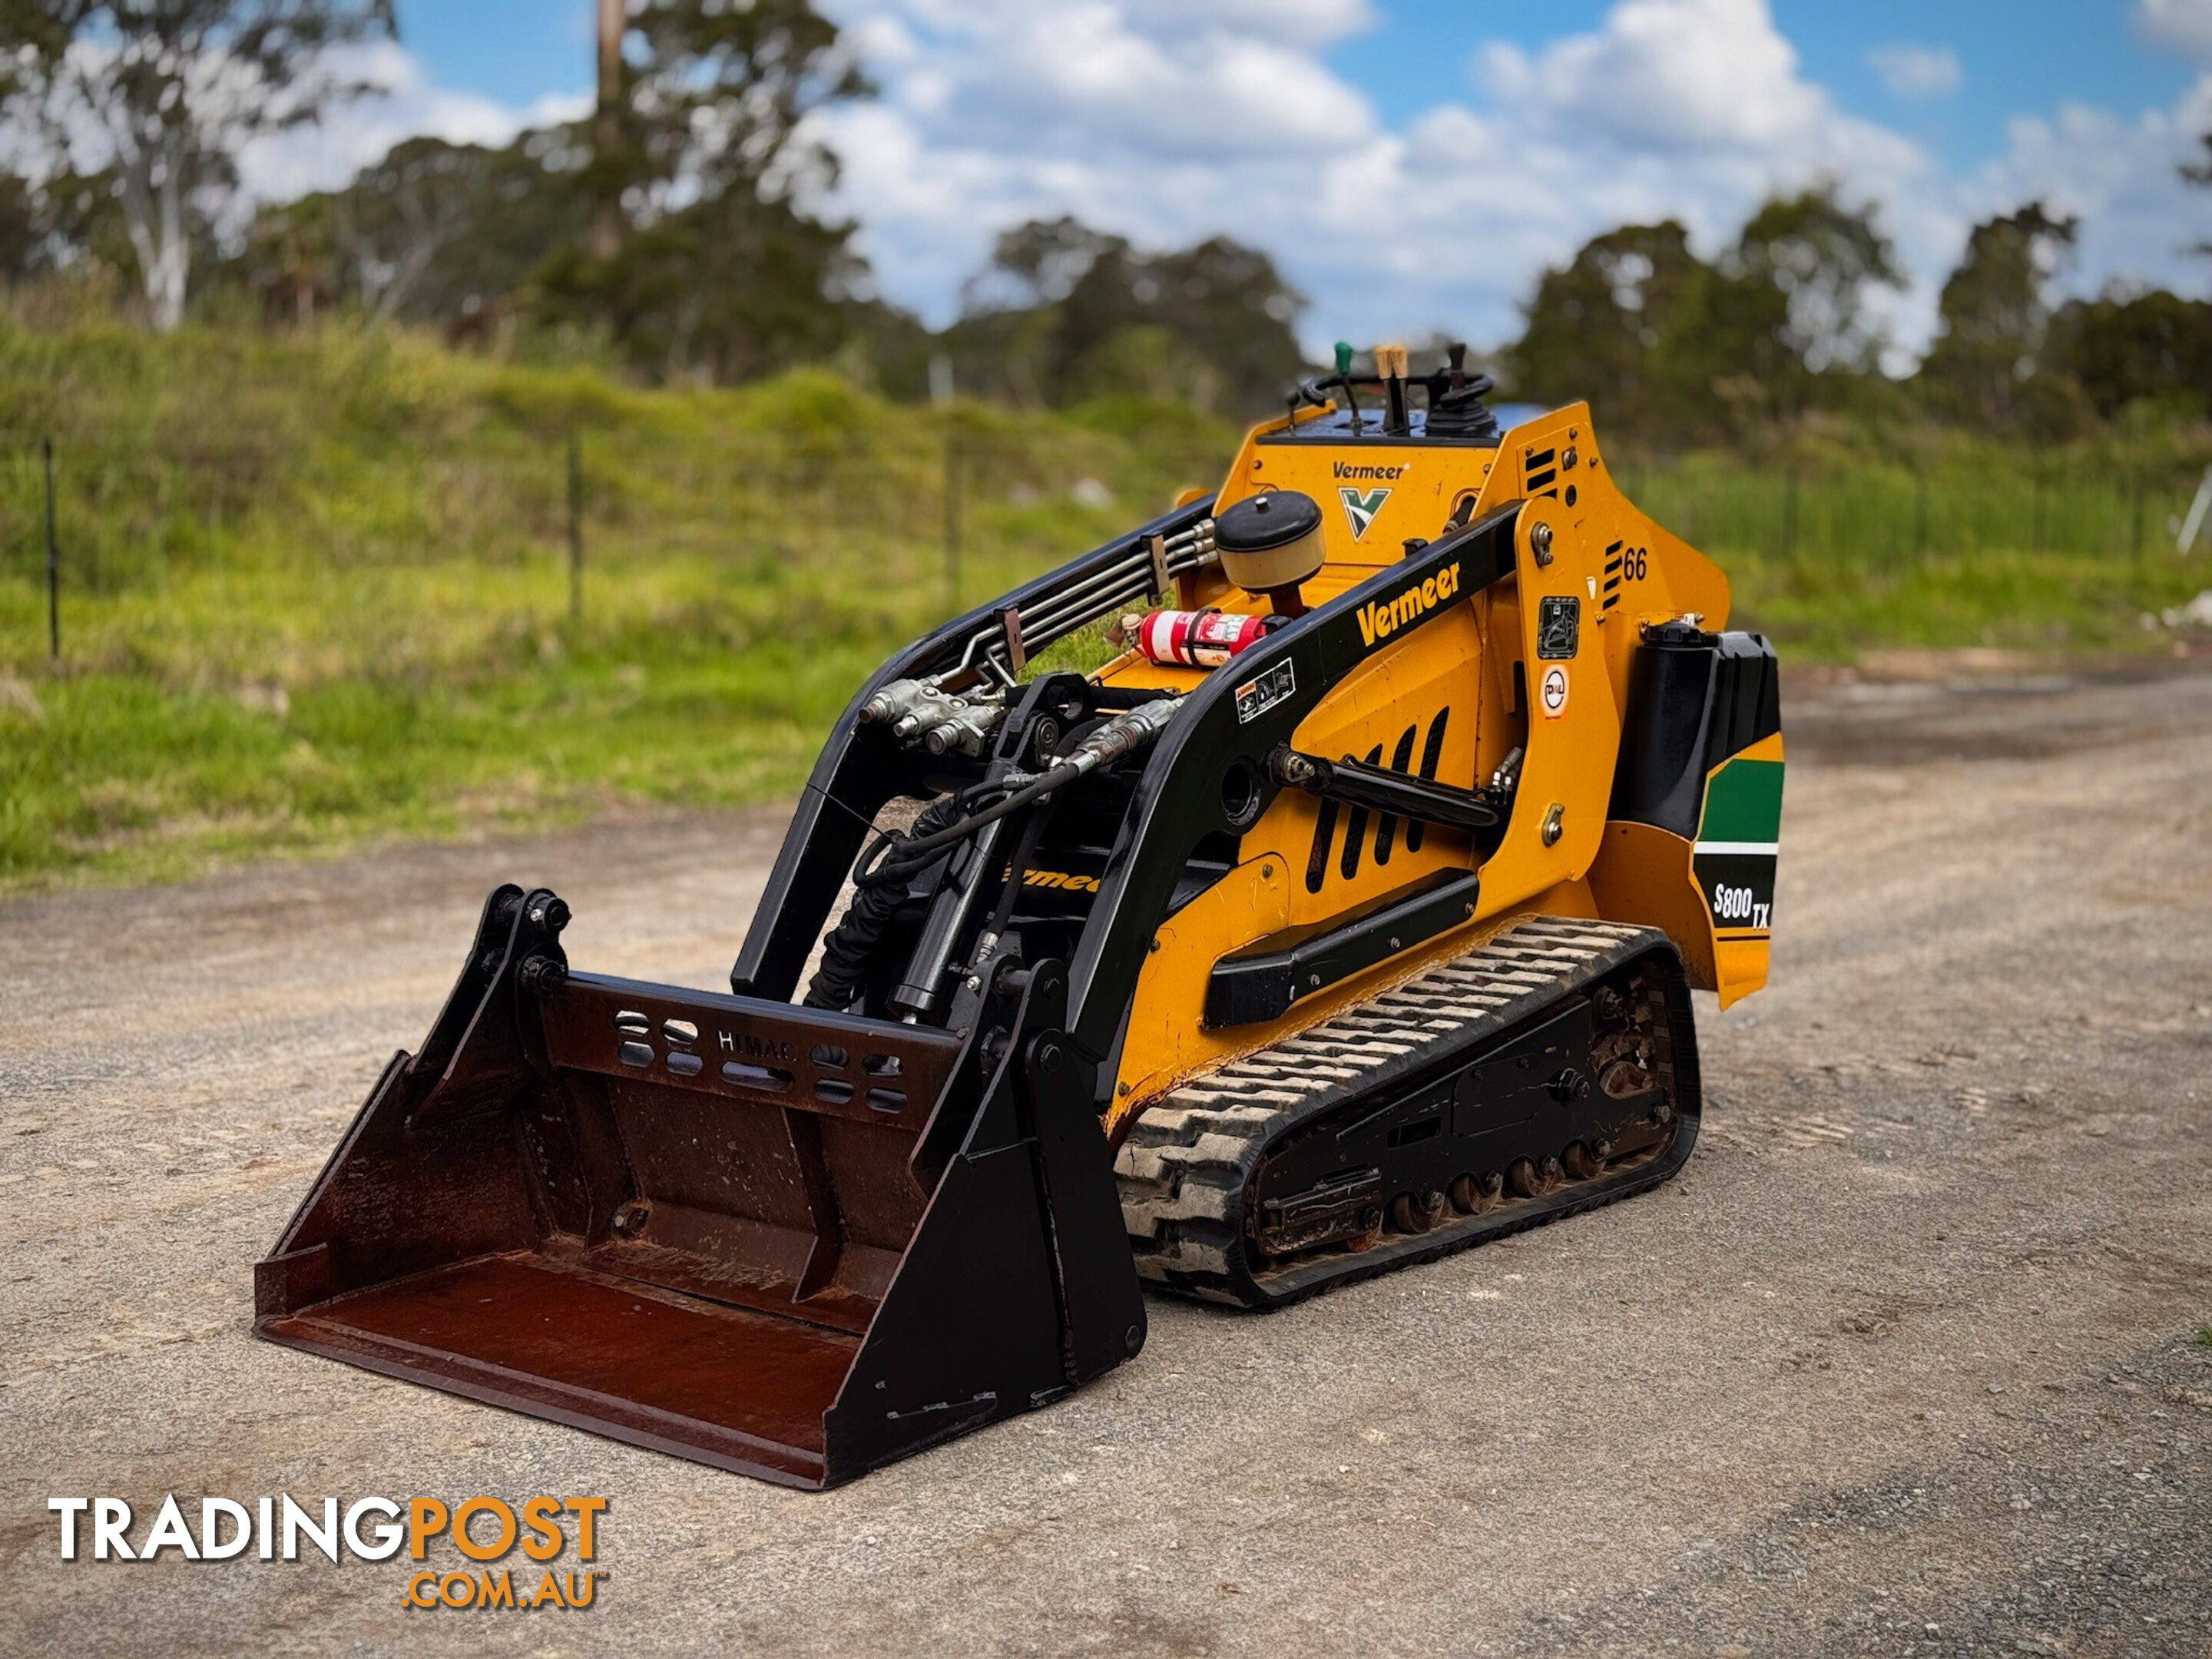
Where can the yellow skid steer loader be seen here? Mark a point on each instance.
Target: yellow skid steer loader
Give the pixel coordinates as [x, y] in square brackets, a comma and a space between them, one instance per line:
[1346, 917]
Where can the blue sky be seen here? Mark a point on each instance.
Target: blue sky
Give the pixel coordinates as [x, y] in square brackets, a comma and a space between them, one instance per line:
[2023, 57]
[2016, 56]
[1414, 163]
[513, 50]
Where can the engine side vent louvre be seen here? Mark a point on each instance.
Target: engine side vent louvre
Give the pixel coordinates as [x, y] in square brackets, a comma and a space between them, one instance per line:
[1355, 828]
[1324, 833]
[1538, 473]
[1612, 595]
[1432, 752]
[1387, 834]
[1402, 760]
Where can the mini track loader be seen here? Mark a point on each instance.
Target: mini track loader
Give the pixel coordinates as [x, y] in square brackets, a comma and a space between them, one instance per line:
[1348, 917]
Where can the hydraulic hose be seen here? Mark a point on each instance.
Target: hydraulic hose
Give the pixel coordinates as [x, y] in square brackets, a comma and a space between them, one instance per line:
[893, 856]
[847, 952]
[880, 877]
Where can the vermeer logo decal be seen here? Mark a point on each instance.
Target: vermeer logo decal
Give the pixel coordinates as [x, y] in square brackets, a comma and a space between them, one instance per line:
[1361, 509]
[1062, 880]
[1380, 618]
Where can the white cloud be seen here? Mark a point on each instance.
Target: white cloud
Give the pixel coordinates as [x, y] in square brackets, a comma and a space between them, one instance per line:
[349, 136]
[1675, 74]
[1307, 22]
[1169, 123]
[1170, 120]
[1907, 70]
[2185, 26]
[2121, 178]
[1163, 119]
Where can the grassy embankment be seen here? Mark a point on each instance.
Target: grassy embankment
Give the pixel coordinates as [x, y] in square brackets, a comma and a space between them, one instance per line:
[319, 589]
[1954, 541]
[316, 588]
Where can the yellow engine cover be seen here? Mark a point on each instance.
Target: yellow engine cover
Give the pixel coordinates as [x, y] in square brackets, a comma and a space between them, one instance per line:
[1450, 700]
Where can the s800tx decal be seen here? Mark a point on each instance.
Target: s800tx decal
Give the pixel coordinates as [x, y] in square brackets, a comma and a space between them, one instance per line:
[1737, 836]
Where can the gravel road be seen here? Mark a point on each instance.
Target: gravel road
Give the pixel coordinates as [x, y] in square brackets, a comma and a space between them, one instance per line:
[1907, 1361]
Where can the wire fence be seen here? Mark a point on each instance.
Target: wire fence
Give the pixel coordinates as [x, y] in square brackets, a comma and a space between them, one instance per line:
[929, 518]
[1889, 518]
[130, 516]
[932, 514]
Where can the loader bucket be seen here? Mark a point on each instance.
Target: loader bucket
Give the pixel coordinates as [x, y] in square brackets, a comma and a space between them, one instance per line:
[791, 1243]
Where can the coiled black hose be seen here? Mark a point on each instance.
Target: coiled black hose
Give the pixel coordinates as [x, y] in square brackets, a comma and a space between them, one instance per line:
[879, 878]
[894, 858]
[879, 890]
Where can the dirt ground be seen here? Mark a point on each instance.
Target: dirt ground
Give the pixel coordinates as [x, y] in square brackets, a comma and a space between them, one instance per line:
[1906, 1361]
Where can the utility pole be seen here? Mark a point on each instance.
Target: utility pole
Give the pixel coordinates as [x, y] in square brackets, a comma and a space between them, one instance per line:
[606, 132]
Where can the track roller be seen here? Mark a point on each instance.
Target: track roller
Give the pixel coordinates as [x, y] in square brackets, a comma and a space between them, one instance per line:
[1472, 1194]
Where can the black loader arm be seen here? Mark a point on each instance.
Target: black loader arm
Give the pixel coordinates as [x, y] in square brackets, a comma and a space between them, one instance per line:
[862, 767]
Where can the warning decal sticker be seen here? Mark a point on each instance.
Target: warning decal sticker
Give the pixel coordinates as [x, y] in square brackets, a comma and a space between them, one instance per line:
[1256, 696]
[1551, 692]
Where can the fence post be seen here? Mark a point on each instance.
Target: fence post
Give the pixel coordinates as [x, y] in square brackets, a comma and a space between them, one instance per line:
[951, 520]
[53, 561]
[575, 526]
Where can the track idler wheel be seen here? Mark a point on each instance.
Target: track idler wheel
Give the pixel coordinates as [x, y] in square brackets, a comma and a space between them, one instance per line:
[1472, 1194]
[1416, 1212]
[1579, 1162]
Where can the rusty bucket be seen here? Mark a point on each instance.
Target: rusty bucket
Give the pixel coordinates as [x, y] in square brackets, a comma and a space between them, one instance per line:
[791, 1243]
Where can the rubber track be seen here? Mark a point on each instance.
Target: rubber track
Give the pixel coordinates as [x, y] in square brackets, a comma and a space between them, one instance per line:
[1189, 1159]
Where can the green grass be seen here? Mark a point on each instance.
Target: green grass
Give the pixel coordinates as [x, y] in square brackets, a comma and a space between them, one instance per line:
[120, 776]
[2204, 1336]
[1982, 545]
[2001, 596]
[315, 586]
[317, 589]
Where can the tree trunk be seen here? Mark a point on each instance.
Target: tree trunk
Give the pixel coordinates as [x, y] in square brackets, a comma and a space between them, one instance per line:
[165, 283]
[153, 219]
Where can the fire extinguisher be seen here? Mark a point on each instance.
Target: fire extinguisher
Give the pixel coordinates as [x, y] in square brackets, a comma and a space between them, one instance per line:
[1199, 638]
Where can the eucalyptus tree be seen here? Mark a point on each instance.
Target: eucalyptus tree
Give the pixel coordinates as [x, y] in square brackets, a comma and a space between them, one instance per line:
[158, 99]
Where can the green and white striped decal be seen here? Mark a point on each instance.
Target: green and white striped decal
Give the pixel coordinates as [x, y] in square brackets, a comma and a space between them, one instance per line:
[1738, 836]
